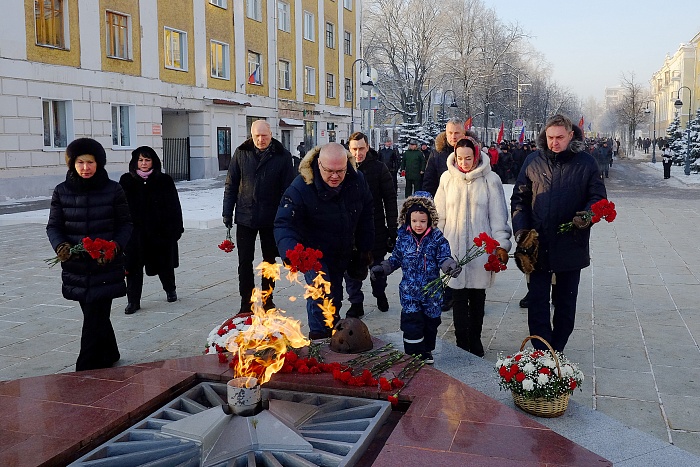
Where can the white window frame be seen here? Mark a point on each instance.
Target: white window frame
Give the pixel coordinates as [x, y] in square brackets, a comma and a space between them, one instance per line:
[219, 3]
[310, 80]
[109, 29]
[64, 29]
[330, 86]
[330, 35]
[49, 107]
[283, 16]
[120, 130]
[169, 57]
[347, 42]
[252, 64]
[254, 9]
[285, 75]
[347, 4]
[348, 89]
[309, 29]
[225, 65]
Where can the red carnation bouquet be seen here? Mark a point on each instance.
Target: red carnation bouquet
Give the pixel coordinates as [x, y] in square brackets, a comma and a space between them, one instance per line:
[99, 249]
[600, 210]
[303, 260]
[227, 245]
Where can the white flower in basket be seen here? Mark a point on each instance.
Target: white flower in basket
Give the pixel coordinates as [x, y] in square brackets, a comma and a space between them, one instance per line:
[544, 377]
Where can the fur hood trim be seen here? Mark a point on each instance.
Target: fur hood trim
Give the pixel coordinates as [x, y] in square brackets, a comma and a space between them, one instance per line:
[306, 168]
[441, 143]
[427, 203]
[575, 145]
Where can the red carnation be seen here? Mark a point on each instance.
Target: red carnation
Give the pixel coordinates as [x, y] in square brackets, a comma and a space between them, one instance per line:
[520, 377]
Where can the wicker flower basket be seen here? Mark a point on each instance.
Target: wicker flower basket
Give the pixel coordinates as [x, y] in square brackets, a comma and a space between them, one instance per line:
[540, 406]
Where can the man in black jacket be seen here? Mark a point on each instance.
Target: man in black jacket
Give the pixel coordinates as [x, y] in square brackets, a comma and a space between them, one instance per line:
[385, 217]
[260, 170]
[557, 184]
[391, 158]
[328, 207]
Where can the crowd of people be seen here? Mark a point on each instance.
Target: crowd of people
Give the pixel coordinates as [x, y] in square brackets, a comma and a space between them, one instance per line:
[343, 201]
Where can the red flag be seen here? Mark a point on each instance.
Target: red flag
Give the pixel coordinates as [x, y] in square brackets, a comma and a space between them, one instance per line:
[500, 134]
[468, 124]
[521, 138]
[580, 123]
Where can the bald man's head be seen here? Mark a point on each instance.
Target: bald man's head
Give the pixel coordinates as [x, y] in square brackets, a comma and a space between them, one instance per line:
[261, 133]
[333, 163]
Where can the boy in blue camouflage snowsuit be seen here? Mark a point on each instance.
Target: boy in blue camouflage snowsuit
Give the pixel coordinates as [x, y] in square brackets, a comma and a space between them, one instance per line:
[421, 251]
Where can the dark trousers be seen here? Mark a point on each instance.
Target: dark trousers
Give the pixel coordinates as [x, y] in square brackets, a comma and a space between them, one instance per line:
[667, 170]
[412, 185]
[245, 240]
[98, 344]
[354, 287]
[554, 330]
[468, 313]
[395, 178]
[134, 283]
[419, 332]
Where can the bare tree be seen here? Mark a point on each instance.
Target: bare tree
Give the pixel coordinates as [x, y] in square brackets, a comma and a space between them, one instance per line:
[630, 110]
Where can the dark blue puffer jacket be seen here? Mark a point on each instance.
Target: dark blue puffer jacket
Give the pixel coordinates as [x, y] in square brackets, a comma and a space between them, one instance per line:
[550, 189]
[317, 217]
[95, 208]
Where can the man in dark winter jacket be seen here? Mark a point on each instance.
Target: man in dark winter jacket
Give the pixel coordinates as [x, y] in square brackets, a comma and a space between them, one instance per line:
[437, 162]
[604, 157]
[557, 184]
[328, 207]
[390, 156]
[412, 167]
[260, 170]
[385, 217]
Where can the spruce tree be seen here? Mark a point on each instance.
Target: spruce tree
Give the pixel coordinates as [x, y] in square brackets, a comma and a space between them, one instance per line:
[676, 141]
[695, 143]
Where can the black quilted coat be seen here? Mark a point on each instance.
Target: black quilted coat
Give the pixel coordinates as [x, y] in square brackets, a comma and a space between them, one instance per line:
[95, 208]
[550, 189]
[381, 185]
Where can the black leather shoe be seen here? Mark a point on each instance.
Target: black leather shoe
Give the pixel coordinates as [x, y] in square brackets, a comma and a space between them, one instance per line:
[447, 306]
[356, 311]
[315, 335]
[131, 308]
[171, 296]
[525, 301]
[383, 303]
[269, 305]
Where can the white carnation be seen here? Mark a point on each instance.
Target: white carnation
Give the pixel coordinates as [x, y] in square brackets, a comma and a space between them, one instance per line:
[529, 368]
[528, 384]
[542, 379]
[549, 362]
[567, 371]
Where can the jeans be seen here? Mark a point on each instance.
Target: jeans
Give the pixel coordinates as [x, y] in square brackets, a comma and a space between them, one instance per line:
[245, 243]
[317, 325]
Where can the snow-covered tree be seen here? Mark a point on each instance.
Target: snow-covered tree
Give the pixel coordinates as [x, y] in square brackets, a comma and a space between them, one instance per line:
[675, 140]
[695, 143]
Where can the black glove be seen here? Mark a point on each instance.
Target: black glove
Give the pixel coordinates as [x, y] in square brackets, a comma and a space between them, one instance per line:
[228, 221]
[582, 220]
[451, 268]
[63, 251]
[380, 271]
[391, 243]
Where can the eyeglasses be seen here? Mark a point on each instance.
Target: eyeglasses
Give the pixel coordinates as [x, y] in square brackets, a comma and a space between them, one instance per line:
[339, 173]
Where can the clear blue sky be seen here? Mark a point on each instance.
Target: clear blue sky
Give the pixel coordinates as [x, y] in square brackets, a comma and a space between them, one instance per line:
[589, 44]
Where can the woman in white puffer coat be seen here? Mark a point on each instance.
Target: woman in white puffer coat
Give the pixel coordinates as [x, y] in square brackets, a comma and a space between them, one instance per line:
[470, 200]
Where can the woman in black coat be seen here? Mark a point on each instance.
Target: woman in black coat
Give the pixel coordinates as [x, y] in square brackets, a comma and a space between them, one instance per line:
[89, 204]
[157, 216]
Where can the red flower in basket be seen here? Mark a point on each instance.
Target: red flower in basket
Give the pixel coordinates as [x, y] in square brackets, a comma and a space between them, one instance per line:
[303, 260]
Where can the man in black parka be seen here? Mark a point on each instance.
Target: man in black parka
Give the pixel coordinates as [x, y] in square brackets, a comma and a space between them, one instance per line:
[557, 183]
[381, 185]
[260, 170]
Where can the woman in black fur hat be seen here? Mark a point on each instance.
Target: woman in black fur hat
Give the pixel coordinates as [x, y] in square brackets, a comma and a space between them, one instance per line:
[89, 204]
[157, 216]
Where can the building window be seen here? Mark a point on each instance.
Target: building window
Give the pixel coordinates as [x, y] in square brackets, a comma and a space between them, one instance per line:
[49, 16]
[330, 35]
[347, 4]
[285, 78]
[254, 9]
[118, 33]
[347, 43]
[219, 3]
[175, 43]
[254, 68]
[330, 86]
[219, 60]
[58, 123]
[123, 125]
[309, 26]
[283, 17]
[348, 89]
[310, 80]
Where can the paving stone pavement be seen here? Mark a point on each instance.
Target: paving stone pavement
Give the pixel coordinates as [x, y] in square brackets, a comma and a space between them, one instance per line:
[636, 335]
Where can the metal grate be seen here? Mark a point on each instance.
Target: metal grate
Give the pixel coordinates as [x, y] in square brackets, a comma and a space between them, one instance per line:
[299, 429]
[176, 158]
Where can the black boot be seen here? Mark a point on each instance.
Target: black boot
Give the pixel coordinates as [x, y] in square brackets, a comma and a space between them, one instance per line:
[477, 301]
[460, 314]
[525, 301]
[382, 303]
[356, 311]
[171, 296]
[134, 286]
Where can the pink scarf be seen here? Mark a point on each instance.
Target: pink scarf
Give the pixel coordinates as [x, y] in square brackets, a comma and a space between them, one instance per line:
[143, 174]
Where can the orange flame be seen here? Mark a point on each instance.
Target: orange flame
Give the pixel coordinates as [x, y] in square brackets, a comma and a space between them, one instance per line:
[321, 288]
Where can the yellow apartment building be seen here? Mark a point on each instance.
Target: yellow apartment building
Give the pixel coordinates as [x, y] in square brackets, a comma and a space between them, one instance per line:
[187, 77]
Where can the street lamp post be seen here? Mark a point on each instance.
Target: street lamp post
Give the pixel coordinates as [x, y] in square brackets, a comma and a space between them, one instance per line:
[520, 85]
[653, 143]
[679, 105]
[367, 86]
[453, 104]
